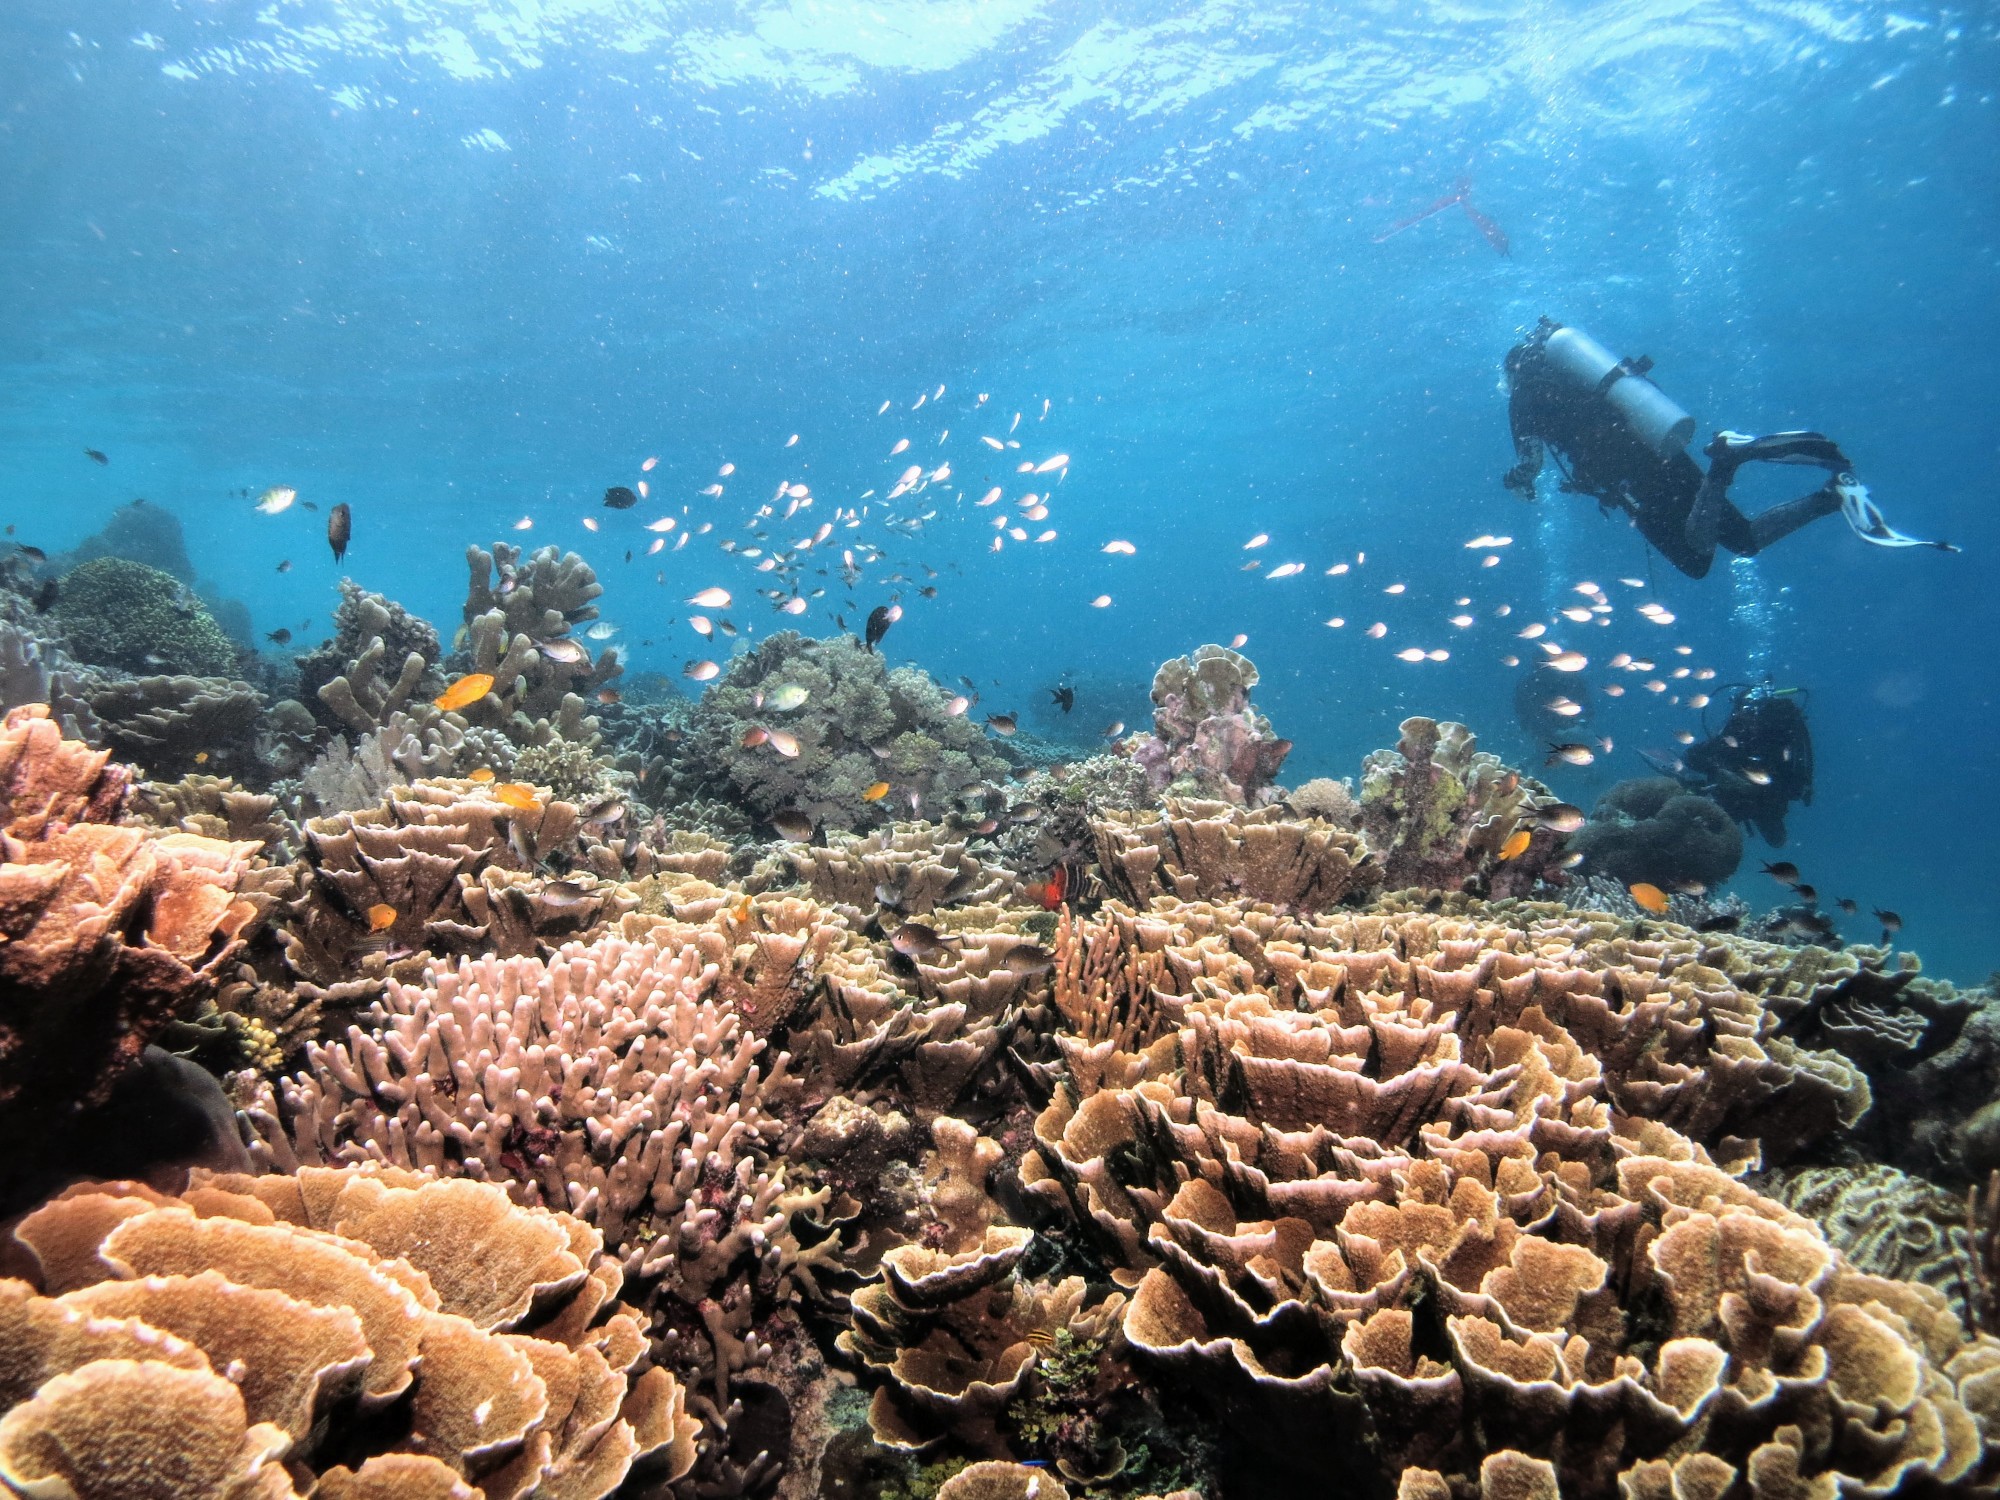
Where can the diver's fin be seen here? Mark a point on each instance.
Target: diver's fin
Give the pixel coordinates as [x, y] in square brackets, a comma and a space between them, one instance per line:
[1864, 518]
[1814, 448]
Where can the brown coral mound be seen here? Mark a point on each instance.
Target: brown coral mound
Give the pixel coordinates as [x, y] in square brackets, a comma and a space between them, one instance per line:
[182, 1346]
[1212, 851]
[107, 934]
[1413, 1186]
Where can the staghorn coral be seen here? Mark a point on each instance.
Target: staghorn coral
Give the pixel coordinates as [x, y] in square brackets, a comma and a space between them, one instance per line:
[171, 725]
[1399, 1186]
[1437, 811]
[608, 1080]
[1207, 741]
[860, 723]
[392, 1333]
[1653, 830]
[1213, 851]
[118, 613]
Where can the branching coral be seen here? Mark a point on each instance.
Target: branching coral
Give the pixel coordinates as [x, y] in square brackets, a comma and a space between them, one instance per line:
[1438, 812]
[1404, 1185]
[858, 724]
[1207, 740]
[379, 659]
[424, 1333]
[518, 615]
[608, 1081]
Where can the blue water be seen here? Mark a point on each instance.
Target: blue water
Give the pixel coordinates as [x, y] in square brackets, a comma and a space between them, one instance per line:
[457, 263]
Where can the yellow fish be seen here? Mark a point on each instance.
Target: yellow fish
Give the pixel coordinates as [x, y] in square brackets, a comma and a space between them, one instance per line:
[876, 792]
[468, 689]
[483, 775]
[1649, 896]
[381, 916]
[518, 794]
[1517, 844]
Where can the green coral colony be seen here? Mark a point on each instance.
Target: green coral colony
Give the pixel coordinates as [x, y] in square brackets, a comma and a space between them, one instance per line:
[799, 1090]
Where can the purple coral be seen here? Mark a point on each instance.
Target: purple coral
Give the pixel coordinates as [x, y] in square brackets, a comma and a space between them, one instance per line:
[1207, 740]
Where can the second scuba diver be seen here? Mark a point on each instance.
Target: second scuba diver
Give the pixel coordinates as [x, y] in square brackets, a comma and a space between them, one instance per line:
[1620, 439]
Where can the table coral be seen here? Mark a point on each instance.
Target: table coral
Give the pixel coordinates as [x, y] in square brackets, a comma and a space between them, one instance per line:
[177, 1346]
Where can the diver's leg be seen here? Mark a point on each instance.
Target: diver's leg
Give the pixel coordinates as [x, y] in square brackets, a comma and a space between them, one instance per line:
[1711, 509]
[1781, 520]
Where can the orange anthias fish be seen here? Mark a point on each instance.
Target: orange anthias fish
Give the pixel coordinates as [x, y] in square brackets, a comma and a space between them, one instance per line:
[1517, 844]
[381, 916]
[876, 792]
[1048, 894]
[469, 689]
[1649, 896]
[518, 794]
[483, 775]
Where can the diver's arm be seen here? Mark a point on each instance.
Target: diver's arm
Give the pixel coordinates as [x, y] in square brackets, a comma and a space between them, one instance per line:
[1521, 478]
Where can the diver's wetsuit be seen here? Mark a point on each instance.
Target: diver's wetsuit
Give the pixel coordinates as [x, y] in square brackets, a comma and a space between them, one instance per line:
[1684, 513]
[1761, 762]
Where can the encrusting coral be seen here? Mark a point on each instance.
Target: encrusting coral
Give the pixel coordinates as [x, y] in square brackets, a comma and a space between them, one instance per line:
[371, 1332]
[1207, 741]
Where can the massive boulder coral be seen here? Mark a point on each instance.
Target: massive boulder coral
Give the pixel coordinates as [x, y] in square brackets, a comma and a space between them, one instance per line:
[1207, 740]
[107, 933]
[1438, 812]
[118, 613]
[368, 1332]
[858, 723]
[1412, 1188]
[1652, 829]
[608, 1081]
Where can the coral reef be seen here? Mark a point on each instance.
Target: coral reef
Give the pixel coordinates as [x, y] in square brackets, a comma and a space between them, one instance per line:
[1213, 851]
[1397, 1187]
[518, 615]
[370, 1332]
[1207, 741]
[107, 933]
[858, 724]
[378, 659]
[124, 614]
[1653, 830]
[1438, 812]
[171, 725]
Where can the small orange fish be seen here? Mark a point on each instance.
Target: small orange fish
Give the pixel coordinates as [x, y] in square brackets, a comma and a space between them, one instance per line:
[754, 736]
[518, 794]
[201, 757]
[483, 775]
[1048, 894]
[608, 695]
[1517, 844]
[1649, 896]
[741, 911]
[381, 916]
[468, 689]
[876, 792]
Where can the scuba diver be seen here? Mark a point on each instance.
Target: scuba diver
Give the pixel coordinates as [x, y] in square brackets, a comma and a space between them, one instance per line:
[1760, 763]
[1618, 438]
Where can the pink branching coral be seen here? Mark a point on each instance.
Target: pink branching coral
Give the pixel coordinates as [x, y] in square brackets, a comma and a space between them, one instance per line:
[610, 1081]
